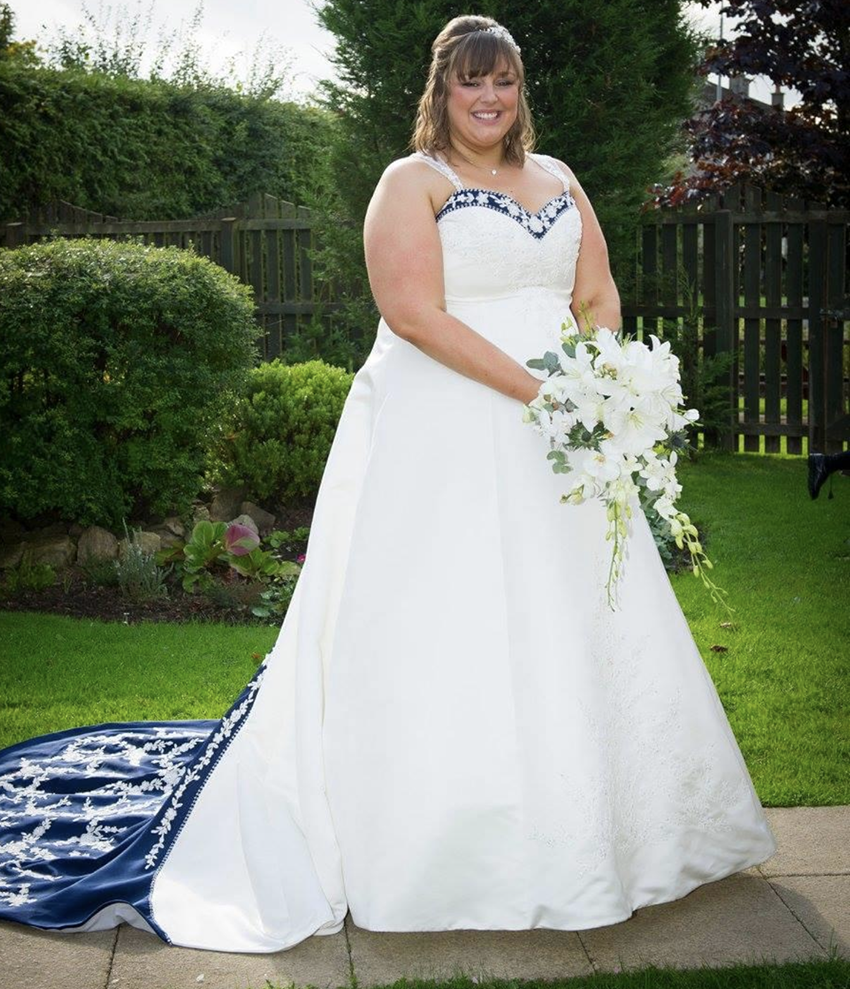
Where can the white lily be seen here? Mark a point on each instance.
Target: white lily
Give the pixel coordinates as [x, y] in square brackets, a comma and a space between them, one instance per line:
[634, 392]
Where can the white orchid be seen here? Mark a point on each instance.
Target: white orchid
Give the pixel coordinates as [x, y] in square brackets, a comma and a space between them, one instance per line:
[627, 397]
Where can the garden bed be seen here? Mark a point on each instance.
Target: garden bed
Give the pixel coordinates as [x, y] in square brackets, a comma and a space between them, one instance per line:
[75, 594]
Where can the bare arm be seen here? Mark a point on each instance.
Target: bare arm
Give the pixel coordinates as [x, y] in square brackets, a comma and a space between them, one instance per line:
[405, 264]
[594, 284]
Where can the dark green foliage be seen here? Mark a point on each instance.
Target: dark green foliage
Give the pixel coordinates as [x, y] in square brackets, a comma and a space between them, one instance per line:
[283, 427]
[140, 149]
[116, 361]
[609, 84]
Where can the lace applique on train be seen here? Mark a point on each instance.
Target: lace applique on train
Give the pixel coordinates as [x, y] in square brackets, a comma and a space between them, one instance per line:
[89, 796]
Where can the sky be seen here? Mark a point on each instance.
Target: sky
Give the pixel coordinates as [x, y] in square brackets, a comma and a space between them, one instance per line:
[291, 24]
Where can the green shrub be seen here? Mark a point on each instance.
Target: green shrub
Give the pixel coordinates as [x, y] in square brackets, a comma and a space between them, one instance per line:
[117, 362]
[282, 431]
[150, 150]
[28, 577]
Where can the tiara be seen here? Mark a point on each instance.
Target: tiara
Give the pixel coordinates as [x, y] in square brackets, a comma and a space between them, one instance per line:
[503, 33]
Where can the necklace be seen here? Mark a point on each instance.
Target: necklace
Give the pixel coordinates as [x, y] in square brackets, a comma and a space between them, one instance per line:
[492, 171]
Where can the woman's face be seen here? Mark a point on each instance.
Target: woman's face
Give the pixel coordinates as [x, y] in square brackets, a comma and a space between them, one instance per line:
[482, 110]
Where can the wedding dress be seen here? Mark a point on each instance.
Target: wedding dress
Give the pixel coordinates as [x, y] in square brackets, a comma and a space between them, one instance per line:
[452, 730]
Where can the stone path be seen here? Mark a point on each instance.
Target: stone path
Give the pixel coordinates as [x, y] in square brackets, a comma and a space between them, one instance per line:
[791, 908]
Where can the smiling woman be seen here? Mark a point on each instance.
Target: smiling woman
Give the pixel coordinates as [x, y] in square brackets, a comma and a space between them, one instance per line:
[453, 730]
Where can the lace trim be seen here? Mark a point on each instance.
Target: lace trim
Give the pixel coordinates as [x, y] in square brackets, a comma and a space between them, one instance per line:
[81, 801]
[179, 803]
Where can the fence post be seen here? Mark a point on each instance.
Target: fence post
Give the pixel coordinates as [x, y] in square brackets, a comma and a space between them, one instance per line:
[228, 244]
[725, 262]
[817, 348]
[14, 234]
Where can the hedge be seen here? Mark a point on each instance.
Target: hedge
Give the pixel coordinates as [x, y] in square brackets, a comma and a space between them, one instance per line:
[149, 150]
[118, 361]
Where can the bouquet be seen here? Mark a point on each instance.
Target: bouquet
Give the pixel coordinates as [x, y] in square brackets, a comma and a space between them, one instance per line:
[614, 417]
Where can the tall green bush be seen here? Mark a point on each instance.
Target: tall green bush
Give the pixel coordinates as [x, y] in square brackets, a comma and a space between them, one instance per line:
[149, 150]
[117, 362]
[281, 430]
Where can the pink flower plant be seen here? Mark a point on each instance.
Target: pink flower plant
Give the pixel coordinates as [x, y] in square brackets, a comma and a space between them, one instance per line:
[240, 540]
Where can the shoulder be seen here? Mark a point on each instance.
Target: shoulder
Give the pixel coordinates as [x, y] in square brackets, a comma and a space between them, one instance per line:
[412, 177]
[412, 171]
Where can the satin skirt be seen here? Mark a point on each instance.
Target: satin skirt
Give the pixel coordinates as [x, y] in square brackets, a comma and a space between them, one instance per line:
[453, 729]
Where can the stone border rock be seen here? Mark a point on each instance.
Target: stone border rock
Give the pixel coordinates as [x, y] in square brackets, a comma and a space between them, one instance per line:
[62, 544]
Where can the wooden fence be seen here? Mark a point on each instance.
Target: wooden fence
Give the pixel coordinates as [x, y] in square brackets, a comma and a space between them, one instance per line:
[769, 276]
[265, 242]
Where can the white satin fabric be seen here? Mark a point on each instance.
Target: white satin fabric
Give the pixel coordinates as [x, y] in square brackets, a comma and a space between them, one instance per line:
[454, 731]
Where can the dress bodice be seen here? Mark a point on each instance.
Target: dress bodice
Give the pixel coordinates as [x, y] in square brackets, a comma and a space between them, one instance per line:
[493, 246]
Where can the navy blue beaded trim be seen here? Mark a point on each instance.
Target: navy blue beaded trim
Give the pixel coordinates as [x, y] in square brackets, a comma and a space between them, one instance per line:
[537, 224]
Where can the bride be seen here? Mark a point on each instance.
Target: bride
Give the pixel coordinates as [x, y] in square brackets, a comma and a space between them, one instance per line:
[453, 730]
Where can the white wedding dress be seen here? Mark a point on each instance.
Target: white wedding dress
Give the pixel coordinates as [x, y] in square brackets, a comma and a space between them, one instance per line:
[453, 730]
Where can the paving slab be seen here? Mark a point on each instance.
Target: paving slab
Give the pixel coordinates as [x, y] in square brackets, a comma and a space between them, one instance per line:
[384, 956]
[144, 961]
[739, 919]
[29, 957]
[792, 907]
[813, 841]
[822, 905]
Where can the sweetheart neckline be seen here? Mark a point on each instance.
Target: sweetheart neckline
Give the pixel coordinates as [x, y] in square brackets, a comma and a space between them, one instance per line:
[506, 195]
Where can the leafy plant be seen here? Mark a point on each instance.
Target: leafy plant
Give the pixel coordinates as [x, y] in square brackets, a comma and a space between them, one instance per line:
[29, 577]
[99, 572]
[218, 543]
[234, 594]
[259, 564]
[289, 542]
[139, 575]
[205, 142]
[275, 599]
[117, 363]
[801, 150]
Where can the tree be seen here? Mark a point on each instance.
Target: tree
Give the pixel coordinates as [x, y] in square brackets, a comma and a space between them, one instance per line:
[802, 151]
[19, 52]
[608, 83]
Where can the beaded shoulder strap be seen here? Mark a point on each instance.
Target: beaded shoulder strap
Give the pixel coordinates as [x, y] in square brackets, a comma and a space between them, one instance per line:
[552, 166]
[441, 166]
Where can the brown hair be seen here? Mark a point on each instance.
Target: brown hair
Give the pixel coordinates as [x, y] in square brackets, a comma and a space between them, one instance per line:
[464, 48]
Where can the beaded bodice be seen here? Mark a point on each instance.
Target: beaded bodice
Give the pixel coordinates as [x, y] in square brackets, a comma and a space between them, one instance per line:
[493, 246]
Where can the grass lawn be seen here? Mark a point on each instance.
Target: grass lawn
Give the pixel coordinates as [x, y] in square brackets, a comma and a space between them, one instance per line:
[783, 678]
[831, 974]
[785, 561]
[58, 672]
